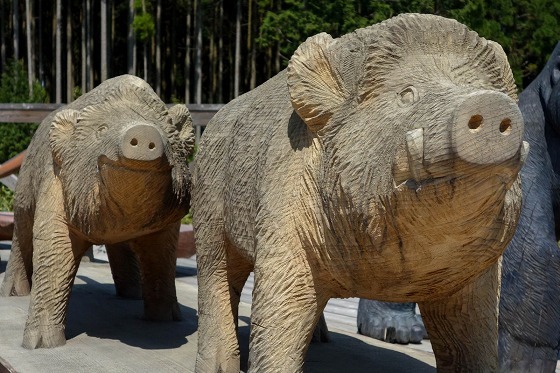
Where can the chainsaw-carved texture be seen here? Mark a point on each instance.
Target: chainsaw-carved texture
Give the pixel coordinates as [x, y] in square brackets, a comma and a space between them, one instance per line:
[382, 164]
[109, 168]
[529, 323]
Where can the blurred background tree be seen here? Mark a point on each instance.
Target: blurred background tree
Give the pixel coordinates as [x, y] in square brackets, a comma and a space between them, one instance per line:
[209, 51]
[15, 137]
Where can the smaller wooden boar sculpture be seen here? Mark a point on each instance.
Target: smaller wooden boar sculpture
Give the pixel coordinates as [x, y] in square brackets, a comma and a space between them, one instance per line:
[382, 164]
[109, 168]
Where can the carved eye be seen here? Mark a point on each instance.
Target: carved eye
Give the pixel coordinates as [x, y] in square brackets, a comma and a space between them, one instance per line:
[102, 128]
[407, 96]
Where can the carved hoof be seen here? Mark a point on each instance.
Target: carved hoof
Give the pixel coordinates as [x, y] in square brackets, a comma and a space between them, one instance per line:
[10, 287]
[395, 329]
[163, 312]
[43, 336]
[390, 322]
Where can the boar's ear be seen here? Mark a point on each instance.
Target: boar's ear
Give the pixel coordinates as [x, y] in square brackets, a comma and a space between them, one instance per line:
[183, 122]
[505, 69]
[316, 87]
[62, 127]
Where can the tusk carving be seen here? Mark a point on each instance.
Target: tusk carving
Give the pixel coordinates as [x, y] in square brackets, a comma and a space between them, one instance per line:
[415, 151]
[524, 152]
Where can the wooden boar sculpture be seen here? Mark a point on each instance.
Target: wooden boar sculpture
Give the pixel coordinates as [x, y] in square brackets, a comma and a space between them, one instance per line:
[109, 168]
[382, 165]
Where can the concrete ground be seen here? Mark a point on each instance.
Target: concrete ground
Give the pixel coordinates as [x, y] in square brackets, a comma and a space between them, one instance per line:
[107, 334]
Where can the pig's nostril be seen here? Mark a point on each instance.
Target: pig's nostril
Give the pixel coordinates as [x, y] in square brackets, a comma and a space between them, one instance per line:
[475, 122]
[505, 126]
[134, 142]
[151, 146]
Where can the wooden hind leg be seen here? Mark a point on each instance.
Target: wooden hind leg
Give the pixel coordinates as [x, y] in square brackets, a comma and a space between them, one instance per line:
[221, 276]
[125, 269]
[17, 279]
[463, 327]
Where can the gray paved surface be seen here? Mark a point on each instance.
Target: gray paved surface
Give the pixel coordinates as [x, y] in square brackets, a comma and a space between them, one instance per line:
[106, 333]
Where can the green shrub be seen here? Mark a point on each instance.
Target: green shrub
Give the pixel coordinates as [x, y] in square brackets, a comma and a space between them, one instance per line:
[15, 137]
[6, 199]
[187, 219]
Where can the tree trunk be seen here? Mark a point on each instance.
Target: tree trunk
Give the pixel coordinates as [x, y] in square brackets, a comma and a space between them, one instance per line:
[69, 72]
[213, 62]
[198, 63]
[89, 42]
[145, 47]
[221, 53]
[30, 56]
[40, 48]
[3, 27]
[237, 61]
[58, 51]
[253, 29]
[90, 46]
[277, 60]
[158, 47]
[249, 42]
[109, 37]
[84, 48]
[104, 34]
[188, 57]
[269, 62]
[15, 22]
[171, 55]
[112, 30]
[131, 41]
[198, 58]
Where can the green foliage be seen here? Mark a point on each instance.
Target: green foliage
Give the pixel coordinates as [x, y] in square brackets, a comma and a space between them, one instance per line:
[76, 92]
[14, 86]
[15, 137]
[187, 219]
[144, 26]
[527, 29]
[190, 158]
[6, 199]
[143, 23]
[305, 19]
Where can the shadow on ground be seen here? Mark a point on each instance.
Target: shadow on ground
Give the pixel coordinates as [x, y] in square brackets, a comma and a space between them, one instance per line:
[346, 354]
[95, 310]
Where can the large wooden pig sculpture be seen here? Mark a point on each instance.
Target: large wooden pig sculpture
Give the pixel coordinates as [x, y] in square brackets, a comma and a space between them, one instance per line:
[529, 323]
[382, 164]
[108, 168]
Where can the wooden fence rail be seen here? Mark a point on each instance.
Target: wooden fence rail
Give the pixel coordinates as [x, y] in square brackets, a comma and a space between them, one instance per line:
[35, 113]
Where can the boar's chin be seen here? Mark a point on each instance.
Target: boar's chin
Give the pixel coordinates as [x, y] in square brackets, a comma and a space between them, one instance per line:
[129, 165]
[446, 174]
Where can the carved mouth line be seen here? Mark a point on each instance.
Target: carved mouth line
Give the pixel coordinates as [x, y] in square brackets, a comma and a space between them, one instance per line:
[158, 166]
[419, 184]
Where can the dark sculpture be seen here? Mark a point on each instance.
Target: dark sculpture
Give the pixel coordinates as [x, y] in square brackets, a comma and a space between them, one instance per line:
[530, 300]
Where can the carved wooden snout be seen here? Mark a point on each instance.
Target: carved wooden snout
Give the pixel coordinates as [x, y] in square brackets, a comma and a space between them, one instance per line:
[487, 128]
[142, 142]
[415, 153]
